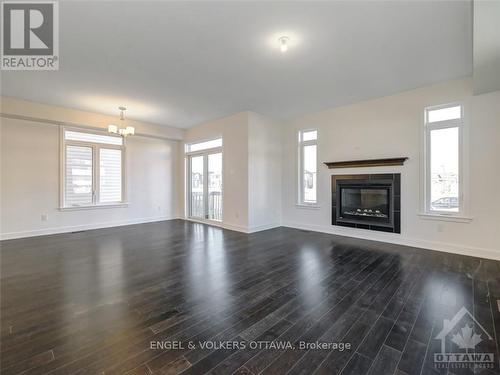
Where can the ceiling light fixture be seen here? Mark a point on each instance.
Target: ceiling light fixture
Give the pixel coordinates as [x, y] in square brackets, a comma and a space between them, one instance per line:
[115, 129]
[284, 43]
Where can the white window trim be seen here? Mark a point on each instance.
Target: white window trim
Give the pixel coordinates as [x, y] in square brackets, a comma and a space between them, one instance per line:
[300, 190]
[463, 196]
[101, 205]
[211, 149]
[95, 155]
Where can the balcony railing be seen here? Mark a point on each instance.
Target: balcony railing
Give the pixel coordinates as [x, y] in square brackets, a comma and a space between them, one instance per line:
[214, 205]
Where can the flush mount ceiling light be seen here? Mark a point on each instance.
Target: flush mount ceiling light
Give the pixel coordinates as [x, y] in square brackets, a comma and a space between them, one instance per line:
[283, 40]
[123, 131]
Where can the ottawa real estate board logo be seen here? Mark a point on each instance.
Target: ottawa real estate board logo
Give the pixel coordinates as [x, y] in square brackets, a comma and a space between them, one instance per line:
[30, 35]
[465, 343]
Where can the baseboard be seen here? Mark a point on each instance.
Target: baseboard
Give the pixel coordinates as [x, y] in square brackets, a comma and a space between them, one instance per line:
[401, 240]
[348, 232]
[258, 228]
[235, 227]
[74, 228]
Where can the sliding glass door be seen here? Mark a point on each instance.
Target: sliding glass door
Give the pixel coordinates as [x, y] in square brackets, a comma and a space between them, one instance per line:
[205, 185]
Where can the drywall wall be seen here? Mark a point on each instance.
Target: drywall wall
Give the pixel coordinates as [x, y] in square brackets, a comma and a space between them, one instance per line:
[30, 176]
[264, 172]
[253, 184]
[47, 113]
[486, 46]
[390, 127]
[234, 131]
[251, 169]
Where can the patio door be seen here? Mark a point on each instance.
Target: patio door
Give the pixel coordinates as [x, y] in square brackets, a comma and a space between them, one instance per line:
[205, 186]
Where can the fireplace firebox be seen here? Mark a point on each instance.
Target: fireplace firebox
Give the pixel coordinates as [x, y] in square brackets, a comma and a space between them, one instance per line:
[367, 201]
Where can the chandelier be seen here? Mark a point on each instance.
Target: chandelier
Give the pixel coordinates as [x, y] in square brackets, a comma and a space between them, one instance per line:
[123, 131]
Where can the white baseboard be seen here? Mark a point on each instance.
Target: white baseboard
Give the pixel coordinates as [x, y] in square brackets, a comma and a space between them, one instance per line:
[75, 228]
[400, 240]
[235, 227]
[341, 231]
[258, 228]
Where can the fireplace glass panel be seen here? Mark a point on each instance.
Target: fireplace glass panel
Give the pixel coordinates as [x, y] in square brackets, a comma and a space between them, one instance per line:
[366, 204]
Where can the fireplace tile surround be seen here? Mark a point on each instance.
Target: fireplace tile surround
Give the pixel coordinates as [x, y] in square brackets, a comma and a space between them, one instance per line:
[390, 181]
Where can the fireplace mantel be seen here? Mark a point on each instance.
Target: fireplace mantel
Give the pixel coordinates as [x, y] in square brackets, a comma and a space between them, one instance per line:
[366, 163]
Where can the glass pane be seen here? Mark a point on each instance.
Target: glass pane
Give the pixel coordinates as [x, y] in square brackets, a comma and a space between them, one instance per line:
[309, 174]
[204, 145]
[365, 203]
[444, 188]
[78, 176]
[110, 178]
[310, 135]
[196, 180]
[215, 187]
[443, 114]
[95, 138]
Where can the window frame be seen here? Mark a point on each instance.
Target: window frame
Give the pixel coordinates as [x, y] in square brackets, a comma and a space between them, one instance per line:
[427, 157]
[96, 147]
[301, 144]
[187, 145]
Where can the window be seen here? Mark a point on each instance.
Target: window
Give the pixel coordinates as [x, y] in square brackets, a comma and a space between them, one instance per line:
[92, 169]
[110, 177]
[308, 150]
[199, 146]
[79, 175]
[93, 138]
[443, 160]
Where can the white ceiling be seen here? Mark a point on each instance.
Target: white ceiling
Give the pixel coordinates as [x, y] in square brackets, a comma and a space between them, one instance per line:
[182, 63]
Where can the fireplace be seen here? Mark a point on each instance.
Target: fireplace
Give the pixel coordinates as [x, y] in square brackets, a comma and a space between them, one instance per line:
[367, 201]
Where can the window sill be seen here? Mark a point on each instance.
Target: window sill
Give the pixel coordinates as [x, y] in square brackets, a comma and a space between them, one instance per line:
[110, 205]
[445, 217]
[307, 206]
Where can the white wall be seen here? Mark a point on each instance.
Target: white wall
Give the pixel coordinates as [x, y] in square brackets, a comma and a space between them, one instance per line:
[251, 169]
[256, 194]
[392, 127]
[30, 176]
[234, 131]
[49, 113]
[264, 172]
[486, 54]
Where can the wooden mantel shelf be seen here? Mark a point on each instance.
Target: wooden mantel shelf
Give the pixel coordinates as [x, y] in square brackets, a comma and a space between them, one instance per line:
[366, 163]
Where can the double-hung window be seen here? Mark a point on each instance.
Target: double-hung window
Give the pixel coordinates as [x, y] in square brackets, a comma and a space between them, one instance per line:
[92, 168]
[443, 160]
[308, 151]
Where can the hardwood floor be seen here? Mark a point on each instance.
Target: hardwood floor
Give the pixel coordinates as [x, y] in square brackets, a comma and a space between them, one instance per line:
[102, 301]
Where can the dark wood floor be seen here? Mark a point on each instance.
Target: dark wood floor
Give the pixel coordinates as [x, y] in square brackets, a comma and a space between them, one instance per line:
[94, 302]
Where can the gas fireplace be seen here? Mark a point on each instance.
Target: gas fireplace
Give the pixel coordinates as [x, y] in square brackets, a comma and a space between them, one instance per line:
[367, 201]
